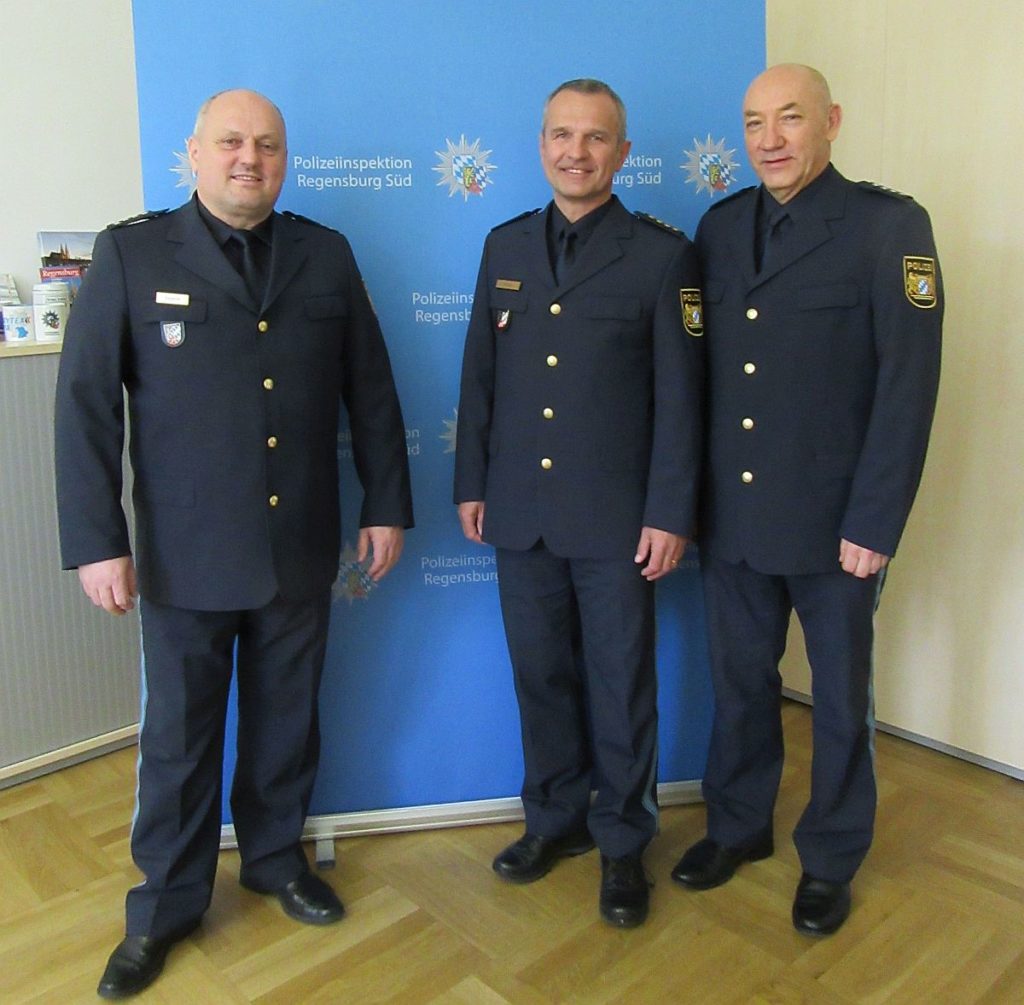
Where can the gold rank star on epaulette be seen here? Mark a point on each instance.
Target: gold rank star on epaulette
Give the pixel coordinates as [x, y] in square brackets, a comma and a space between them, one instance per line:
[661, 224]
[139, 218]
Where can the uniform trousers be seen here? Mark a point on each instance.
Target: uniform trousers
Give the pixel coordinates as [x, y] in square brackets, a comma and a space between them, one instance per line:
[278, 653]
[580, 635]
[748, 616]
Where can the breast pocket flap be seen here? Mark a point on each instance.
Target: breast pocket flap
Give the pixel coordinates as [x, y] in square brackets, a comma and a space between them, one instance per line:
[508, 300]
[611, 308]
[821, 297]
[321, 308]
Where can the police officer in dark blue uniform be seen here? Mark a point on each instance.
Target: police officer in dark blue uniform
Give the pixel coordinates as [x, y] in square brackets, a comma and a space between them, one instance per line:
[824, 312]
[236, 331]
[578, 455]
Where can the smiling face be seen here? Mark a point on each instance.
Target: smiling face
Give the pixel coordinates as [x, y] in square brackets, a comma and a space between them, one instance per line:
[580, 150]
[239, 156]
[789, 125]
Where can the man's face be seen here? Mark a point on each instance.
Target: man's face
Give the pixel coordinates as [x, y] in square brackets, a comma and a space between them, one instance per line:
[239, 157]
[789, 127]
[580, 150]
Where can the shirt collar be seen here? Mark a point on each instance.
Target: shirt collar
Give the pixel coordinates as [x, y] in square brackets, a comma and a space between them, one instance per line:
[802, 204]
[223, 232]
[584, 226]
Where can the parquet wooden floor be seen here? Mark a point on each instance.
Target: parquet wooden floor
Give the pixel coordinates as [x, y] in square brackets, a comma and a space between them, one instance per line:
[938, 908]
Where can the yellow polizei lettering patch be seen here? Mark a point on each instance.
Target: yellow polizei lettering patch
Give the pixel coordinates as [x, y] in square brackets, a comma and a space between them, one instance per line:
[920, 282]
[693, 311]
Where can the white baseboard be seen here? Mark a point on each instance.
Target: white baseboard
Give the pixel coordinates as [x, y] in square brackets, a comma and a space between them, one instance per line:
[926, 741]
[64, 757]
[433, 817]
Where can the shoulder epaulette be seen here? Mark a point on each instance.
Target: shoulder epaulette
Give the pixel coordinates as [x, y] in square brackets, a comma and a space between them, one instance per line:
[305, 219]
[871, 186]
[140, 218]
[730, 197]
[660, 224]
[522, 216]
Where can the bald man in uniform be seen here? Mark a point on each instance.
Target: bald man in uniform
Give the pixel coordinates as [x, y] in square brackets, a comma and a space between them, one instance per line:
[236, 332]
[823, 313]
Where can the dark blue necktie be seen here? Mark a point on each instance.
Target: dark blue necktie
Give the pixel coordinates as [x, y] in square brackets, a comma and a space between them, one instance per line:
[566, 254]
[774, 228]
[251, 270]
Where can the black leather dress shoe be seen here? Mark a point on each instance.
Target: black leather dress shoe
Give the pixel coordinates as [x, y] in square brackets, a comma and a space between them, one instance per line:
[625, 892]
[820, 906]
[136, 963]
[307, 899]
[532, 856]
[708, 864]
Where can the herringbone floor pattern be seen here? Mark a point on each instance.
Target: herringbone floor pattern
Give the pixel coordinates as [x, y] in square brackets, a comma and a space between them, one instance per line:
[938, 908]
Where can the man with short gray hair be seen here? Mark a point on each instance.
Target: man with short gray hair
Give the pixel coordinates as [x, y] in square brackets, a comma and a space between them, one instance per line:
[578, 456]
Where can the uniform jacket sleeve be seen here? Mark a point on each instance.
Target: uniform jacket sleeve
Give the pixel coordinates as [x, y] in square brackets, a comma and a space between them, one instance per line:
[89, 416]
[907, 346]
[677, 443]
[476, 398]
[375, 416]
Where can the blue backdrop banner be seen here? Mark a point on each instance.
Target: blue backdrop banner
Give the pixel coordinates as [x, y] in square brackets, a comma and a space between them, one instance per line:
[413, 128]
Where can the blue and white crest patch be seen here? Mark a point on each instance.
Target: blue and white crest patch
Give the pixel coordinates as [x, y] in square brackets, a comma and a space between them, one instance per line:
[172, 333]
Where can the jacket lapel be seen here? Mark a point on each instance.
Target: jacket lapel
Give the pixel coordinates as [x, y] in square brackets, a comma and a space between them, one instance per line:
[289, 253]
[534, 249]
[199, 253]
[741, 238]
[800, 241]
[814, 228]
[603, 247]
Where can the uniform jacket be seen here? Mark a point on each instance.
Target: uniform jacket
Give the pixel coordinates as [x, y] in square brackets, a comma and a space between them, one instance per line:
[823, 372]
[580, 407]
[233, 412]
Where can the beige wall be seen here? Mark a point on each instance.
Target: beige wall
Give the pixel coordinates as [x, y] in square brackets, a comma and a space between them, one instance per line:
[71, 129]
[933, 94]
[69, 675]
